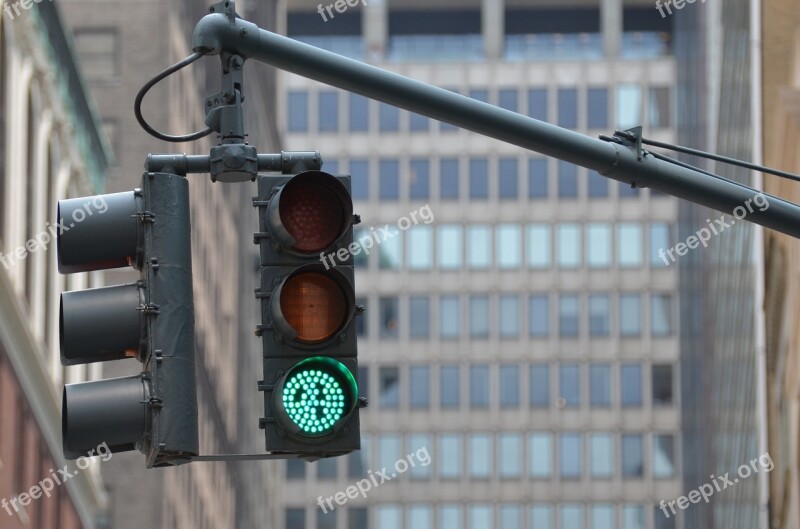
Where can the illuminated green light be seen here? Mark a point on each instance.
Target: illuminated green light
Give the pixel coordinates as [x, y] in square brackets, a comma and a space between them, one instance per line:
[314, 400]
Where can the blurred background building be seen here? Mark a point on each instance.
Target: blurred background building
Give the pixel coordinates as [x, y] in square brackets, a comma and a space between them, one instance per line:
[529, 337]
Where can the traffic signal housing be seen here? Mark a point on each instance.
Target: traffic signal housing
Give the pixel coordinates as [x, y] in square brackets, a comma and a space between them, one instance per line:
[151, 320]
[308, 307]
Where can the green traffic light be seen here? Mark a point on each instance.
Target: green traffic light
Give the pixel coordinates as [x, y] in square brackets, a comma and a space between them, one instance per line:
[317, 394]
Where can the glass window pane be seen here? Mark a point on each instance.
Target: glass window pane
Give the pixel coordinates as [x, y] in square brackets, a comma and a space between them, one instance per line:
[659, 242]
[540, 455]
[599, 315]
[568, 315]
[631, 384]
[479, 386]
[569, 245]
[539, 386]
[420, 247]
[449, 317]
[297, 118]
[388, 118]
[449, 456]
[328, 111]
[602, 517]
[571, 516]
[479, 246]
[509, 246]
[391, 251]
[598, 185]
[630, 314]
[449, 246]
[419, 316]
[389, 178]
[480, 456]
[295, 469]
[509, 316]
[295, 518]
[629, 244]
[358, 462]
[390, 447]
[597, 108]
[539, 316]
[658, 107]
[449, 386]
[478, 178]
[633, 517]
[510, 452]
[567, 180]
[537, 103]
[598, 245]
[419, 517]
[541, 517]
[387, 516]
[600, 385]
[511, 517]
[388, 313]
[359, 175]
[509, 386]
[568, 108]
[419, 179]
[448, 181]
[663, 456]
[538, 244]
[661, 315]
[509, 178]
[419, 386]
[357, 518]
[326, 468]
[569, 456]
[450, 517]
[632, 456]
[420, 442]
[662, 385]
[537, 178]
[507, 99]
[418, 123]
[601, 455]
[389, 387]
[629, 106]
[358, 113]
[569, 385]
[479, 316]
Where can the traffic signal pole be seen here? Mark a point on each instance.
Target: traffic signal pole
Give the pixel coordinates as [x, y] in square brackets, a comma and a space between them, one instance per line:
[620, 157]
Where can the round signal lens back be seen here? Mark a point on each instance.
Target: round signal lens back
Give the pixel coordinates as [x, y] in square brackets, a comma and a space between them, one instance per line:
[312, 215]
[314, 305]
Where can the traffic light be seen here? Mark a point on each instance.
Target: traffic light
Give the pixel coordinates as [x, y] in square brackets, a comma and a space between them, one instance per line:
[308, 307]
[151, 320]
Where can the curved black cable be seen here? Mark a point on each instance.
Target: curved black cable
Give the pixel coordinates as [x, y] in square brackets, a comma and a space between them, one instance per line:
[137, 106]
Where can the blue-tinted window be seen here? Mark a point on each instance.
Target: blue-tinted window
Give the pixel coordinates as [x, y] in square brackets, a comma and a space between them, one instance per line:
[419, 316]
[626, 191]
[389, 178]
[598, 185]
[479, 316]
[358, 113]
[478, 178]
[297, 118]
[597, 108]
[567, 180]
[630, 314]
[295, 518]
[537, 103]
[418, 123]
[568, 315]
[508, 99]
[570, 457]
[420, 179]
[600, 385]
[449, 317]
[539, 316]
[389, 379]
[388, 314]
[539, 387]
[599, 315]
[419, 386]
[509, 316]
[509, 386]
[449, 386]
[479, 386]
[509, 180]
[632, 456]
[328, 111]
[569, 385]
[537, 178]
[568, 108]
[448, 181]
[480, 95]
[359, 173]
[630, 381]
[388, 118]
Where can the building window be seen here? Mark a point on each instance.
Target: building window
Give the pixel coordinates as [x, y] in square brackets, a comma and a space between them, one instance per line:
[632, 456]
[659, 108]
[297, 113]
[569, 245]
[418, 123]
[390, 252]
[479, 95]
[419, 316]
[509, 178]
[389, 179]
[98, 51]
[599, 315]
[419, 517]
[480, 516]
[537, 103]
[420, 247]
[479, 386]
[479, 246]
[601, 455]
[388, 516]
[567, 180]
[540, 455]
[449, 382]
[629, 106]
[568, 315]
[537, 178]
[569, 385]
[539, 386]
[448, 179]
[419, 386]
[602, 516]
[449, 247]
[388, 313]
[359, 174]
[509, 386]
[598, 185]
[631, 384]
[661, 315]
[597, 108]
[600, 385]
[509, 246]
[449, 317]
[509, 316]
[568, 108]
[662, 385]
[295, 518]
[507, 99]
[416, 442]
[449, 457]
[478, 179]
[539, 244]
[326, 468]
[510, 452]
[388, 118]
[598, 245]
[450, 517]
[630, 314]
[629, 245]
[480, 456]
[663, 456]
[539, 316]
[633, 517]
[541, 516]
[389, 387]
[570, 456]
[358, 113]
[659, 242]
[357, 518]
[328, 111]
[479, 316]
[511, 517]
[295, 469]
[358, 462]
[419, 180]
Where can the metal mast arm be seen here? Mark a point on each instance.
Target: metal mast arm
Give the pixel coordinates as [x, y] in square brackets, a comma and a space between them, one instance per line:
[624, 161]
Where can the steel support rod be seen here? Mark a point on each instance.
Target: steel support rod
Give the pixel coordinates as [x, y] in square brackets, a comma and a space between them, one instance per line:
[219, 32]
[183, 164]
